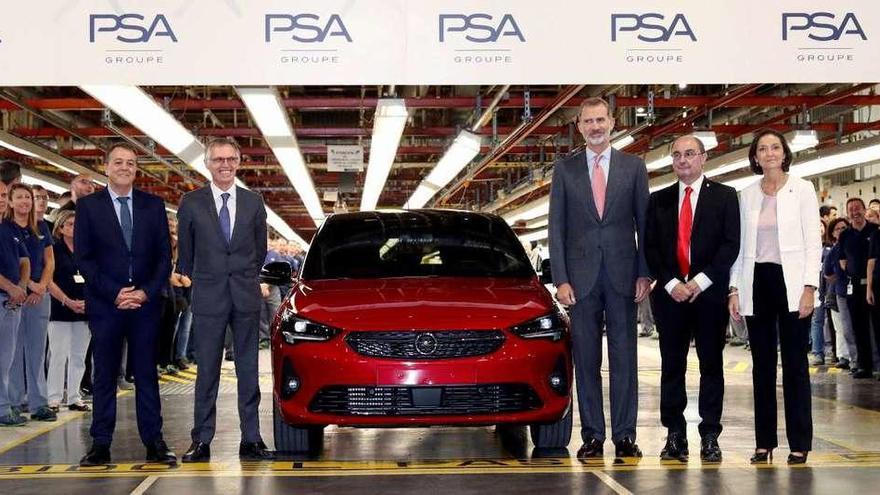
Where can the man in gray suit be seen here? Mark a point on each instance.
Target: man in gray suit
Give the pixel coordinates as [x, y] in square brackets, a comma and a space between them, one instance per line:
[222, 244]
[598, 203]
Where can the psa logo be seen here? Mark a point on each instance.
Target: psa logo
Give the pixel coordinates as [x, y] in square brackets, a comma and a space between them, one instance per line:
[130, 28]
[651, 27]
[306, 28]
[479, 28]
[822, 26]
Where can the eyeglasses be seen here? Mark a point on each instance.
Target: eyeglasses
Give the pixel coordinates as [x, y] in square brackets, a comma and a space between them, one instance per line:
[220, 160]
[687, 154]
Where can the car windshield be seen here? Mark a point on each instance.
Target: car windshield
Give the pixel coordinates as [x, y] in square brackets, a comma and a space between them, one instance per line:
[415, 244]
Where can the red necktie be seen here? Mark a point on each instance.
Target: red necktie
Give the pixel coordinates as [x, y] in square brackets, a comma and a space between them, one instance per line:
[685, 223]
[598, 184]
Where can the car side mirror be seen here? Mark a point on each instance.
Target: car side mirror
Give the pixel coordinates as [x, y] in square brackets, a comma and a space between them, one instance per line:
[546, 277]
[276, 273]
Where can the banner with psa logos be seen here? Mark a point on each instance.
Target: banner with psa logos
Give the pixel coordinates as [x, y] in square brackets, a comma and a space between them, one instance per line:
[312, 42]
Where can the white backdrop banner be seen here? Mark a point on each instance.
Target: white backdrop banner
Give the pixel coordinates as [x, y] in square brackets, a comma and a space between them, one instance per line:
[303, 42]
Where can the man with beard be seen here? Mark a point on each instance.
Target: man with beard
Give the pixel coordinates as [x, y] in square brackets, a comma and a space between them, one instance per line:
[598, 204]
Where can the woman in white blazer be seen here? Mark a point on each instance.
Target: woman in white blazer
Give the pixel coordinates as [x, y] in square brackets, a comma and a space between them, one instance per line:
[773, 284]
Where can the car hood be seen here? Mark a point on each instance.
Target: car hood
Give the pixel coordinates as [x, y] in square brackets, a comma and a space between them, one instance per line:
[429, 303]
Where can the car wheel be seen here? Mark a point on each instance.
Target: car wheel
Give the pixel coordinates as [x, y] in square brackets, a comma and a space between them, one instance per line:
[290, 438]
[553, 435]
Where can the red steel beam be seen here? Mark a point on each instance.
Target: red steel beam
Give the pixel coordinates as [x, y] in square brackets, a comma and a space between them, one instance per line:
[321, 150]
[510, 142]
[301, 132]
[693, 115]
[453, 102]
[315, 132]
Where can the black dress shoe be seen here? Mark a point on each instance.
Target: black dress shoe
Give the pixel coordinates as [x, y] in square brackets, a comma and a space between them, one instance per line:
[98, 455]
[160, 453]
[255, 451]
[766, 456]
[793, 458]
[710, 451]
[676, 448]
[592, 448]
[198, 452]
[627, 448]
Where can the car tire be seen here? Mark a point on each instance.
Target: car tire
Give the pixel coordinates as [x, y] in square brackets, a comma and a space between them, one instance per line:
[290, 438]
[553, 435]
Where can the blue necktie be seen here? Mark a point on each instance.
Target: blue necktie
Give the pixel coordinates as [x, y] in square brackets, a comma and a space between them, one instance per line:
[125, 220]
[225, 224]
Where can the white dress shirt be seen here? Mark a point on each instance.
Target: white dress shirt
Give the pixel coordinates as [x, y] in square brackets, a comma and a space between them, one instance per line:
[230, 204]
[701, 279]
[117, 206]
[605, 163]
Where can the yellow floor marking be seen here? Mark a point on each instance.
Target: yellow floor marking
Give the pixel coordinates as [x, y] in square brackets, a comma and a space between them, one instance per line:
[175, 379]
[440, 467]
[614, 485]
[66, 418]
[740, 367]
[144, 486]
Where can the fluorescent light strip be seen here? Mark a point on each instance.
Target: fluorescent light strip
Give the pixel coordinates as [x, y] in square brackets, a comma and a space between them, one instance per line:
[388, 124]
[538, 222]
[663, 161]
[269, 113]
[623, 142]
[528, 211]
[33, 150]
[837, 161]
[823, 164]
[534, 236]
[465, 147]
[730, 167]
[50, 184]
[142, 111]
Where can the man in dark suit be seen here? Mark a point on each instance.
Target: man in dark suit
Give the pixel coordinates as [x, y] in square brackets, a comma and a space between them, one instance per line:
[692, 240]
[124, 251]
[222, 245]
[597, 206]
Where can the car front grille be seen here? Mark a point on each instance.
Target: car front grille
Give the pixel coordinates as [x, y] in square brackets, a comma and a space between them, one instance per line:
[416, 344]
[425, 401]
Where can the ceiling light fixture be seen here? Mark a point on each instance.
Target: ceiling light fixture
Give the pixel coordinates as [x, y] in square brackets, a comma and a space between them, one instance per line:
[33, 150]
[388, 124]
[269, 113]
[537, 235]
[844, 156]
[622, 142]
[528, 211]
[465, 147]
[141, 110]
[36, 179]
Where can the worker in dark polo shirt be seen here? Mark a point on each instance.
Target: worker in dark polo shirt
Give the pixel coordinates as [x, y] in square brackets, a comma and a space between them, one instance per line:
[854, 244]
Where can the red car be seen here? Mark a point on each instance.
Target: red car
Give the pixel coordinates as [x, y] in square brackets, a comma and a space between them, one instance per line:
[418, 318]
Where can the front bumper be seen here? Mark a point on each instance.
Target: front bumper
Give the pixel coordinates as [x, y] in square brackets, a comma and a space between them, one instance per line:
[335, 385]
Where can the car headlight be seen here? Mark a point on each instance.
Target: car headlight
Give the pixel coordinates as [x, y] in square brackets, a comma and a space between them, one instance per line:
[298, 329]
[552, 326]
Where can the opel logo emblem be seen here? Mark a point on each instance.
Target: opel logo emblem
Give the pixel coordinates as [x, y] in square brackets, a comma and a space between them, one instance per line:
[426, 344]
